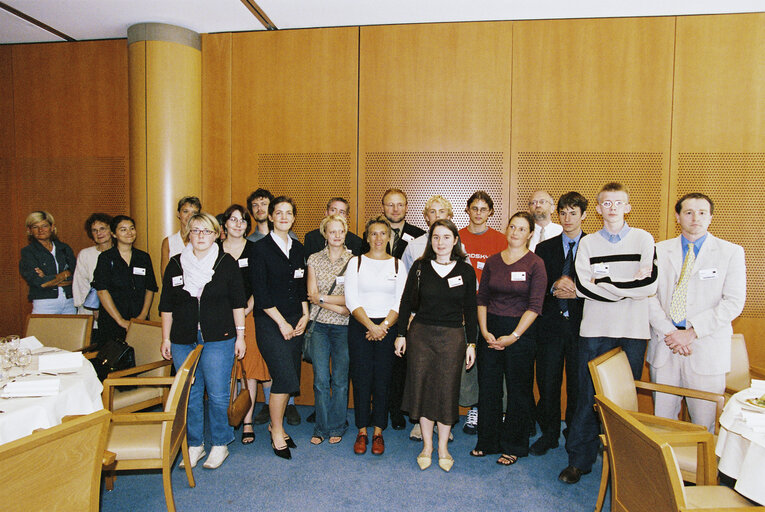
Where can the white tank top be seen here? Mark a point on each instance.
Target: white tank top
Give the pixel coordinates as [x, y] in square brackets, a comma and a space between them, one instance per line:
[175, 243]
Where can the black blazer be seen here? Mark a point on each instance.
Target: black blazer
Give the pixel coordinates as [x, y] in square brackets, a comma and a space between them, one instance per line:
[275, 282]
[551, 252]
[315, 242]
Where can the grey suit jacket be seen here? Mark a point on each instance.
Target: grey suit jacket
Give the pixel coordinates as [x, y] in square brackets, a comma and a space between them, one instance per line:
[715, 297]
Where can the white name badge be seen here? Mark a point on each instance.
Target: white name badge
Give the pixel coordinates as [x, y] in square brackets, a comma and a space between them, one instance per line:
[600, 269]
[177, 280]
[340, 280]
[517, 276]
[139, 271]
[299, 272]
[455, 281]
[243, 262]
[479, 264]
[707, 273]
[407, 237]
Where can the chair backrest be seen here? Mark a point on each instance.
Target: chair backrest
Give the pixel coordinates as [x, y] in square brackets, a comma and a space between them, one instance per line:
[612, 378]
[644, 473]
[145, 337]
[68, 332]
[178, 401]
[57, 468]
[738, 377]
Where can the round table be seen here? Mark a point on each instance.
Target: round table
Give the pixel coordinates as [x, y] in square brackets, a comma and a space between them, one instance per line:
[80, 394]
[741, 447]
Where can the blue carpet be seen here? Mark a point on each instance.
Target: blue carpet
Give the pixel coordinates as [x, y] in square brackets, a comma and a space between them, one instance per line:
[331, 477]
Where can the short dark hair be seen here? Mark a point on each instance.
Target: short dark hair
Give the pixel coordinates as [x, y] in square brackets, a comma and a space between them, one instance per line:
[480, 195]
[279, 200]
[381, 219]
[524, 215]
[261, 192]
[457, 253]
[116, 222]
[339, 200]
[192, 200]
[573, 200]
[694, 195]
[96, 217]
[223, 217]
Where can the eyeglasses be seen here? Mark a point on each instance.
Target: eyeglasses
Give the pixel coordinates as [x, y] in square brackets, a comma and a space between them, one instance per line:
[237, 221]
[609, 204]
[200, 232]
[540, 202]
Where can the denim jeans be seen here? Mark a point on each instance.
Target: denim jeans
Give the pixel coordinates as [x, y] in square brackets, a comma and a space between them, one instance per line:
[214, 375]
[330, 342]
[58, 306]
[583, 443]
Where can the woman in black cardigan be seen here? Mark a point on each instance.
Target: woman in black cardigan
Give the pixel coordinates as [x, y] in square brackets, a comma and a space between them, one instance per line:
[203, 303]
[281, 313]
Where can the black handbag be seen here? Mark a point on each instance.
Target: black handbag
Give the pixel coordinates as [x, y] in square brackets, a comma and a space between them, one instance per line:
[113, 355]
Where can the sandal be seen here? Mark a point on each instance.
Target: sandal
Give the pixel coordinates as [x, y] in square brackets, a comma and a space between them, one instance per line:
[507, 460]
[316, 440]
[247, 437]
[335, 439]
[477, 453]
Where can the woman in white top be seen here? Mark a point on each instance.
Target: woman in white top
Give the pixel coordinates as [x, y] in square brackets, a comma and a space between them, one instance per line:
[374, 283]
[174, 244]
[97, 228]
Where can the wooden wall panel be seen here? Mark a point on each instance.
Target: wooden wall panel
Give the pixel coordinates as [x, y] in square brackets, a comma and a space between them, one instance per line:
[434, 114]
[718, 140]
[70, 140]
[294, 117]
[216, 124]
[592, 103]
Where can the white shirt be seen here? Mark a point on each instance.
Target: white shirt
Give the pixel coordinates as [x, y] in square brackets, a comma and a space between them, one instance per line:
[284, 246]
[551, 230]
[376, 286]
[83, 276]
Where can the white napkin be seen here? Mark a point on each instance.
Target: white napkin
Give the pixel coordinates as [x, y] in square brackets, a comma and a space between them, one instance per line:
[59, 361]
[758, 386]
[30, 342]
[32, 387]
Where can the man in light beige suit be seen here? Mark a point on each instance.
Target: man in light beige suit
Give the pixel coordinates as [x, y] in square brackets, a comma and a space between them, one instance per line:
[702, 288]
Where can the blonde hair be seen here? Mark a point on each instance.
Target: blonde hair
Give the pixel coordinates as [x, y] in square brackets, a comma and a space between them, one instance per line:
[204, 218]
[438, 199]
[613, 186]
[332, 218]
[39, 216]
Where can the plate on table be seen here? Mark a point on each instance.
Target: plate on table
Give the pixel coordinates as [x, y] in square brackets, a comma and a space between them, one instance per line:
[751, 403]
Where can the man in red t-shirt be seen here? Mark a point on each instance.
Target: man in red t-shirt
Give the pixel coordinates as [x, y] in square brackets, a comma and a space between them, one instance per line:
[480, 242]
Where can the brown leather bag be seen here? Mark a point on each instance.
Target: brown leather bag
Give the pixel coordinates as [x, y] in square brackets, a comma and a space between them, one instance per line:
[238, 407]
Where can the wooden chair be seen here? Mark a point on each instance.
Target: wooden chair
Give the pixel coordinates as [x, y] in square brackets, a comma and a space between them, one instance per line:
[645, 475]
[145, 338]
[612, 378]
[56, 468]
[740, 375]
[151, 440]
[67, 332]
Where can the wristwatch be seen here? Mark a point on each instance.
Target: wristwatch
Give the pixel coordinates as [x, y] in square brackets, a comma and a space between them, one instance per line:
[321, 299]
[386, 323]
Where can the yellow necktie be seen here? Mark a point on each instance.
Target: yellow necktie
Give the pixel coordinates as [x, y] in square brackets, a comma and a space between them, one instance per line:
[677, 307]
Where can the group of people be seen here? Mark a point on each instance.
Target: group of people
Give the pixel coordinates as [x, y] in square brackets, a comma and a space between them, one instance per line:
[406, 314]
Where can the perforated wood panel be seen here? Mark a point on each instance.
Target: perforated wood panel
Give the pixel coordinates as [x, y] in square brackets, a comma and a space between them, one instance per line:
[586, 173]
[728, 178]
[311, 179]
[454, 175]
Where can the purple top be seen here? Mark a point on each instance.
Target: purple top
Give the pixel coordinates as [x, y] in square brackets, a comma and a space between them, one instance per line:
[511, 290]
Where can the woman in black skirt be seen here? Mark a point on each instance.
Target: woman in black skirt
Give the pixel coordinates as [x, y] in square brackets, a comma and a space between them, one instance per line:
[281, 313]
[440, 291]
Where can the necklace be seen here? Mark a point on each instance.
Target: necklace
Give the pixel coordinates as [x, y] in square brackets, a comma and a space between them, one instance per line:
[447, 263]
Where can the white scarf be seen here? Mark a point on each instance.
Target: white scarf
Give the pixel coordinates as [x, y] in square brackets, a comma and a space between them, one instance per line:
[197, 273]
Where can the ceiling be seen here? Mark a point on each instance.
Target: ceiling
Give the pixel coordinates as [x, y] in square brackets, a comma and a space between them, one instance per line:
[27, 21]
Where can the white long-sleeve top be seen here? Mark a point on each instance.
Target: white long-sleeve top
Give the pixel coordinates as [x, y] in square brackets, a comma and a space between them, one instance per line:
[376, 286]
[83, 276]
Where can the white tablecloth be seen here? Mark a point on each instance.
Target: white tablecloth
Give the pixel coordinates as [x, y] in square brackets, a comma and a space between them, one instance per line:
[741, 447]
[80, 394]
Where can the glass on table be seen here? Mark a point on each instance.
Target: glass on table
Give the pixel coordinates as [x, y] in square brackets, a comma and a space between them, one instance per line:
[23, 359]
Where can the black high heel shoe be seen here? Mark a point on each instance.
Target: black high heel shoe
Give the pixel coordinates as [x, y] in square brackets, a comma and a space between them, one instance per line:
[284, 453]
[290, 442]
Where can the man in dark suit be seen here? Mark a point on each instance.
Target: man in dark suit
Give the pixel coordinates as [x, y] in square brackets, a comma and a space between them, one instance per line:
[559, 324]
[314, 240]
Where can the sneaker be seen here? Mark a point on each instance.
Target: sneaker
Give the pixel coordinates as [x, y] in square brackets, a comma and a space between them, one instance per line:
[195, 455]
[291, 415]
[217, 455]
[471, 422]
[263, 416]
[416, 433]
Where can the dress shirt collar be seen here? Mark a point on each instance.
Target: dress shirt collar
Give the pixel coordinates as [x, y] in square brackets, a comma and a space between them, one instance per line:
[696, 245]
[615, 238]
[284, 246]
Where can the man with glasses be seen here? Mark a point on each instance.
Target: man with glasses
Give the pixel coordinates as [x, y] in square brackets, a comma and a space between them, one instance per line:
[615, 274]
[394, 204]
[702, 289]
[541, 206]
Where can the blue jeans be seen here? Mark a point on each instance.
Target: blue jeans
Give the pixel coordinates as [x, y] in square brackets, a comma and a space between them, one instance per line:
[214, 375]
[330, 342]
[583, 443]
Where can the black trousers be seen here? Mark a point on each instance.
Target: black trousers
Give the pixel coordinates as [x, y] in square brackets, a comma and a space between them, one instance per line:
[516, 364]
[370, 368]
[557, 345]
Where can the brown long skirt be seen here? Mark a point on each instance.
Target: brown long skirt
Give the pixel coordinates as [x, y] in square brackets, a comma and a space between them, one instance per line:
[434, 359]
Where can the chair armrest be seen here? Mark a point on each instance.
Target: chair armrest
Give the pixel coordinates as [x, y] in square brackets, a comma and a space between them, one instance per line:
[89, 355]
[138, 369]
[88, 348]
[674, 390]
[139, 381]
[143, 417]
[756, 372]
[669, 424]
[109, 458]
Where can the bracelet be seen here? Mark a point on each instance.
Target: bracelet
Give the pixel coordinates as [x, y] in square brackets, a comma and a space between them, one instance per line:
[240, 328]
[471, 345]
[517, 336]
